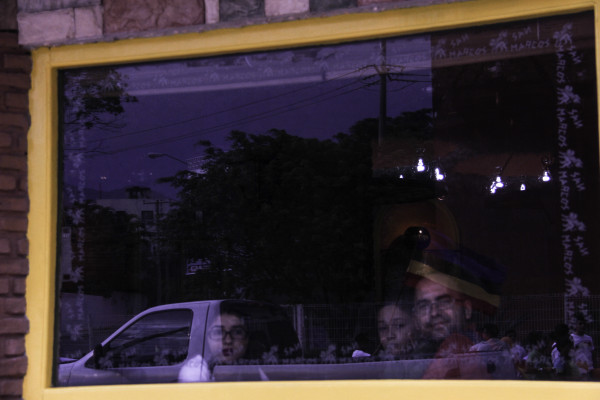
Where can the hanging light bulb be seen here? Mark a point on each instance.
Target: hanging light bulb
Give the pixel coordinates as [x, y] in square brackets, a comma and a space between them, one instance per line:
[499, 184]
[523, 187]
[401, 176]
[421, 166]
[546, 176]
[438, 174]
[546, 162]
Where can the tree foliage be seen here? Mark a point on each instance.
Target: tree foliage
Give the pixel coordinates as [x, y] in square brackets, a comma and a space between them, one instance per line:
[116, 250]
[279, 217]
[94, 98]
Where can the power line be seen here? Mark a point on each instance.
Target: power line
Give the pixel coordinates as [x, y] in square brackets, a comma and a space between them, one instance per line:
[305, 102]
[255, 117]
[253, 103]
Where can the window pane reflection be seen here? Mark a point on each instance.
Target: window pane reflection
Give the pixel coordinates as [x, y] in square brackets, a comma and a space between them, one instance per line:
[415, 207]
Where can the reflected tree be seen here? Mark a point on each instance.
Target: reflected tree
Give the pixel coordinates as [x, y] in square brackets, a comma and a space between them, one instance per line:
[116, 249]
[278, 217]
[93, 98]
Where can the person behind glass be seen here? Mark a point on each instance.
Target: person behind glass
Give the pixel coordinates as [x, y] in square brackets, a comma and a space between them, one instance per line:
[227, 338]
[394, 326]
[441, 314]
[489, 340]
[538, 361]
[517, 351]
[226, 343]
[450, 286]
[583, 346]
[563, 364]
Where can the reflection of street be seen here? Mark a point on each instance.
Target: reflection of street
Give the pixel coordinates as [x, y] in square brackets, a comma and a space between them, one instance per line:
[288, 180]
[325, 334]
[122, 236]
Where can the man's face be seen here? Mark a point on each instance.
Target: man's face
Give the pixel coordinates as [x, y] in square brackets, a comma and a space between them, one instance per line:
[438, 310]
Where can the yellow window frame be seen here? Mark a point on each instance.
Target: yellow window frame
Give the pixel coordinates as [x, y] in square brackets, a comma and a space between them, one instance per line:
[43, 173]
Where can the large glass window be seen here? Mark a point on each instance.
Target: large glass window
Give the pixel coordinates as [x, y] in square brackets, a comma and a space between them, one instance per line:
[413, 207]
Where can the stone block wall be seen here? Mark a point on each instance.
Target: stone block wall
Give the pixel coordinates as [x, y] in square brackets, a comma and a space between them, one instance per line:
[15, 69]
[57, 22]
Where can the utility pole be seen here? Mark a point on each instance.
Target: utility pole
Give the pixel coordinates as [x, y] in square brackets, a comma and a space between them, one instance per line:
[383, 76]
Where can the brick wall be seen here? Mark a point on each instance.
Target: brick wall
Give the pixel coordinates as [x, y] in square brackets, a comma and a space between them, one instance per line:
[56, 22]
[15, 67]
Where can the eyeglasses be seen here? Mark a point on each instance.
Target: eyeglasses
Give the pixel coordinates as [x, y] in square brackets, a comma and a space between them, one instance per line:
[219, 333]
[442, 303]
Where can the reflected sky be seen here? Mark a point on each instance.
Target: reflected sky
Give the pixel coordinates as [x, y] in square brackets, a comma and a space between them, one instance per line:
[312, 93]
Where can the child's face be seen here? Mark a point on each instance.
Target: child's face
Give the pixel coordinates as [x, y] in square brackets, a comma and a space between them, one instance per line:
[394, 327]
[227, 338]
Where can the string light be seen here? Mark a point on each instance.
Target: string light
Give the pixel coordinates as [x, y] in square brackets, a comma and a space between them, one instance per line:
[432, 170]
[438, 175]
[499, 183]
[546, 162]
[546, 177]
[422, 169]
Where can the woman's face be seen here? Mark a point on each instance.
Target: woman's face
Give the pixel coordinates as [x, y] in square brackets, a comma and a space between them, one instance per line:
[227, 338]
[394, 326]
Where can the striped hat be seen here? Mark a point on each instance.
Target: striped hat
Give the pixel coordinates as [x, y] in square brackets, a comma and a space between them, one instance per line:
[463, 271]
